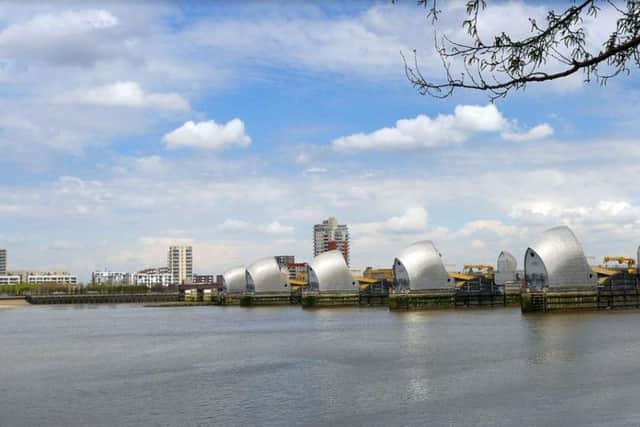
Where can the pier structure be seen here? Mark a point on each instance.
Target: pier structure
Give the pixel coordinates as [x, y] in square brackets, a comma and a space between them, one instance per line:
[234, 285]
[559, 278]
[331, 284]
[267, 284]
[421, 279]
[422, 282]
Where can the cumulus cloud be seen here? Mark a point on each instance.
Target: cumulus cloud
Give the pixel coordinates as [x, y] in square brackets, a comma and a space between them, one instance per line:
[126, 94]
[208, 135]
[413, 220]
[64, 38]
[541, 131]
[604, 211]
[424, 132]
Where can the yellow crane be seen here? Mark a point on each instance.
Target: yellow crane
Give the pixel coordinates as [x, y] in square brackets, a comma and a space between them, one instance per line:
[620, 260]
[479, 268]
[631, 263]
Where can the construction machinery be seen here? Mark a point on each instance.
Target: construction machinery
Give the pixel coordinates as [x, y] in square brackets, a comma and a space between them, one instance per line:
[479, 269]
[621, 260]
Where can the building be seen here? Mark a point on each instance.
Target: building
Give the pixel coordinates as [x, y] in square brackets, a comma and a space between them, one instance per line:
[331, 236]
[112, 278]
[328, 272]
[180, 263]
[153, 277]
[285, 260]
[3, 261]
[556, 260]
[298, 270]
[420, 267]
[203, 279]
[265, 275]
[41, 277]
[57, 277]
[8, 279]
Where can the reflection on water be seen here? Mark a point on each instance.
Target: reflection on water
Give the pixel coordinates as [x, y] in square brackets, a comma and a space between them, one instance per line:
[129, 365]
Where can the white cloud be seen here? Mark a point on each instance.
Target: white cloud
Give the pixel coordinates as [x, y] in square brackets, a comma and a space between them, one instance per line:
[368, 43]
[413, 220]
[277, 228]
[316, 170]
[237, 225]
[541, 131]
[62, 38]
[208, 135]
[490, 225]
[70, 23]
[126, 94]
[424, 132]
[478, 244]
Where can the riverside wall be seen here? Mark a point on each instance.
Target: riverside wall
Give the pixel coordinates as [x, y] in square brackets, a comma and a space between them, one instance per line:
[103, 298]
[453, 298]
[580, 299]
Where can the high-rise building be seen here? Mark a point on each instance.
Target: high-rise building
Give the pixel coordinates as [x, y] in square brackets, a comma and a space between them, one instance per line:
[180, 263]
[3, 261]
[330, 235]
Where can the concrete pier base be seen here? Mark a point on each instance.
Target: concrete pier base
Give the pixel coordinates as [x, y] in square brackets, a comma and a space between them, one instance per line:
[330, 299]
[423, 300]
[453, 298]
[250, 300]
[564, 299]
[103, 298]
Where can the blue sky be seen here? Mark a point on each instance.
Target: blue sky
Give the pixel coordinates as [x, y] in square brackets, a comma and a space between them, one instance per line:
[237, 127]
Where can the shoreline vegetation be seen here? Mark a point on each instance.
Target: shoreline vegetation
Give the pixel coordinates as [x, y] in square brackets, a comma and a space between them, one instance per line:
[24, 289]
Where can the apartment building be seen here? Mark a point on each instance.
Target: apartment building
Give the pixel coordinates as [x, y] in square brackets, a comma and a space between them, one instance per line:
[330, 235]
[180, 263]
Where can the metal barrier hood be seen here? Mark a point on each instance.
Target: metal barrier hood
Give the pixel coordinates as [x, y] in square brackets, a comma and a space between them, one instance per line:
[420, 267]
[329, 272]
[235, 280]
[556, 259]
[264, 275]
[506, 268]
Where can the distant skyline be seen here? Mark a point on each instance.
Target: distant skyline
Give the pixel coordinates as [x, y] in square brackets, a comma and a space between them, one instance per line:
[236, 127]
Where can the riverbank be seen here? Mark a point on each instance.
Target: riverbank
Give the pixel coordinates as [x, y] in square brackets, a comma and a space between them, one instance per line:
[12, 302]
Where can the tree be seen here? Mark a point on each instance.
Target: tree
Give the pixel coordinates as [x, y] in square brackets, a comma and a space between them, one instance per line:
[555, 49]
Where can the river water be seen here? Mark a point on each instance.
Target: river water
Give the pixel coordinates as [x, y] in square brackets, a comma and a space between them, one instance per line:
[131, 365]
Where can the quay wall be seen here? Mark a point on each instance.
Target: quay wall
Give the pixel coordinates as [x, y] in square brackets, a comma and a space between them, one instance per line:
[606, 298]
[330, 299]
[453, 298]
[103, 298]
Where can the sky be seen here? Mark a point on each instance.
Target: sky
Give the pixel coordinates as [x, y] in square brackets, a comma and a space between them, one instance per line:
[235, 128]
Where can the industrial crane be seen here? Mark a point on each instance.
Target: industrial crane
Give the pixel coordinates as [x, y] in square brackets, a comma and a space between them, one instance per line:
[622, 260]
[479, 269]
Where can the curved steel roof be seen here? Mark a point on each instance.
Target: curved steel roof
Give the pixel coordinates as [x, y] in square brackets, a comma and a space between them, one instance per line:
[264, 275]
[556, 259]
[420, 266]
[235, 279]
[329, 272]
[507, 266]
